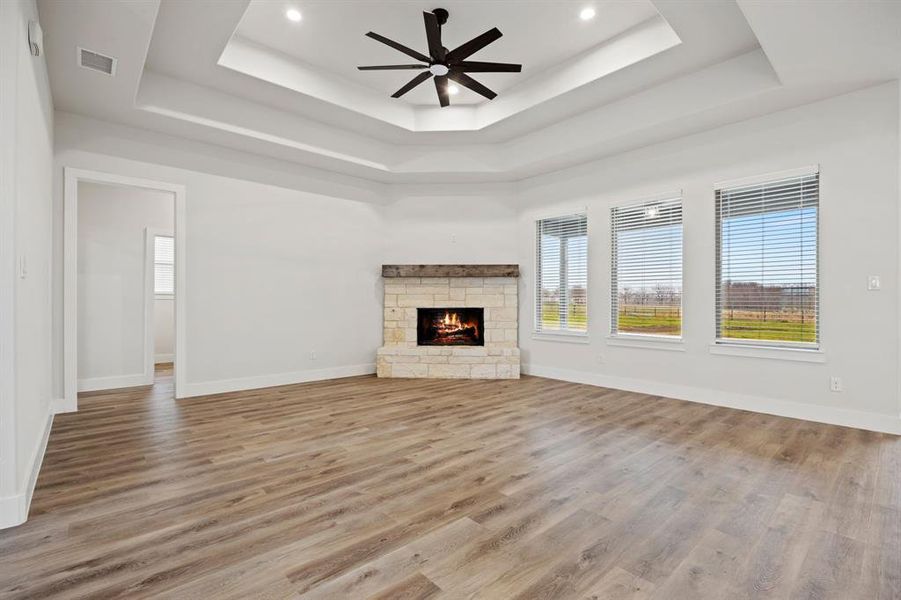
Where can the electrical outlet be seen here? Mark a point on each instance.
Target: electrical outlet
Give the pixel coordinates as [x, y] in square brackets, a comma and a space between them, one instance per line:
[835, 384]
[313, 355]
[874, 284]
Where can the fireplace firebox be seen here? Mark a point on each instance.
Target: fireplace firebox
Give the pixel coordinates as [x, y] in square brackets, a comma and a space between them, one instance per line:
[450, 327]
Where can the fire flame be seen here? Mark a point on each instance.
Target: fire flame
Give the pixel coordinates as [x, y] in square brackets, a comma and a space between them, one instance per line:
[451, 323]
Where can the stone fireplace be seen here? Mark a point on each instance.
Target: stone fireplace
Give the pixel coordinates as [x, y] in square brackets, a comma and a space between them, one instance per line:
[450, 321]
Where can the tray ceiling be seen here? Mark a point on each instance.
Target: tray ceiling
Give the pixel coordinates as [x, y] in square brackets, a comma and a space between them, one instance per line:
[331, 37]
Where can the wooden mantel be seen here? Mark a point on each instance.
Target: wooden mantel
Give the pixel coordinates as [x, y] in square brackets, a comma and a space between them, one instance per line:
[450, 270]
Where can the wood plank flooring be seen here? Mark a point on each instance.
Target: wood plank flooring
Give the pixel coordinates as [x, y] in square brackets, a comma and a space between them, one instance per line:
[392, 488]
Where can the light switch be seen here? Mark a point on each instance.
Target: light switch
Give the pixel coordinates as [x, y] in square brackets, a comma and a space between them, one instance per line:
[23, 268]
[873, 283]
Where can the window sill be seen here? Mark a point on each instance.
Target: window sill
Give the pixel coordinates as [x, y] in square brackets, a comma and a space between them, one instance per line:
[569, 338]
[164, 296]
[648, 342]
[749, 351]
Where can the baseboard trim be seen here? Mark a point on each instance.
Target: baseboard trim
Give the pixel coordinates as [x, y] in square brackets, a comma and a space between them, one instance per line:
[97, 384]
[60, 406]
[163, 358]
[263, 381]
[14, 509]
[782, 408]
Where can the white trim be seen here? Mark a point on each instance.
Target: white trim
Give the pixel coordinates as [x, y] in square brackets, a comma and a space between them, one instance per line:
[152, 233]
[96, 384]
[150, 298]
[538, 333]
[673, 195]
[568, 338]
[59, 406]
[782, 408]
[163, 358]
[263, 381]
[559, 211]
[14, 509]
[72, 176]
[811, 355]
[647, 342]
[767, 177]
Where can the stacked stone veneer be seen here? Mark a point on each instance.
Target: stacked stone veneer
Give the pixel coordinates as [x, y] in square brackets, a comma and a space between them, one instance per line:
[497, 359]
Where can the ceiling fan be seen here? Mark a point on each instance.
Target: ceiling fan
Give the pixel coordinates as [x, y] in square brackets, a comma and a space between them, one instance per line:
[445, 64]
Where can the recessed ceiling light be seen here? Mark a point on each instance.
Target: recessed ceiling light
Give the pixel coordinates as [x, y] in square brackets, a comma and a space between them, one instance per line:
[453, 90]
[293, 15]
[587, 14]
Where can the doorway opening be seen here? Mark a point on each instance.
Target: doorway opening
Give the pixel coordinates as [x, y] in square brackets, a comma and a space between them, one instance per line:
[123, 285]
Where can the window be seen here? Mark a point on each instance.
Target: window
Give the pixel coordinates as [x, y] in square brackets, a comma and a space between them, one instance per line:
[561, 290]
[767, 284]
[646, 291]
[163, 265]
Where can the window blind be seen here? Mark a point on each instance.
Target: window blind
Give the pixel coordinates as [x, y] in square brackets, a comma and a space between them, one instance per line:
[163, 264]
[561, 302]
[646, 269]
[767, 288]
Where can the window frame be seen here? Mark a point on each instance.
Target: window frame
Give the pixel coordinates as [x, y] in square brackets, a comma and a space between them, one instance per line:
[760, 347]
[154, 262]
[615, 336]
[569, 335]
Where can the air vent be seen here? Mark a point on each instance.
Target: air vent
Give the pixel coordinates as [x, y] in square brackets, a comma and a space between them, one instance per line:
[96, 61]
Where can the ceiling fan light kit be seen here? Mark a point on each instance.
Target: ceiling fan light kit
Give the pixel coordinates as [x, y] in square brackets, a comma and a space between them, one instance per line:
[444, 64]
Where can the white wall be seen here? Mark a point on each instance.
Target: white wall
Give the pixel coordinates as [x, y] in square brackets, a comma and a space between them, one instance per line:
[26, 151]
[111, 289]
[164, 329]
[276, 273]
[464, 226]
[281, 285]
[854, 139]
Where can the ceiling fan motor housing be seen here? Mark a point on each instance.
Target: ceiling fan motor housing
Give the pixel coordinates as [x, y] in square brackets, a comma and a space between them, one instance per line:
[442, 15]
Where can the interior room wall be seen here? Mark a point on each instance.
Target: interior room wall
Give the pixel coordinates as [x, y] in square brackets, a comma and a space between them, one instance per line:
[282, 285]
[26, 154]
[111, 291]
[467, 224]
[164, 329]
[854, 140]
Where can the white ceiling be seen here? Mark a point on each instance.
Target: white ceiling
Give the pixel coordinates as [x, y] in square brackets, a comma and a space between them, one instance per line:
[331, 36]
[691, 66]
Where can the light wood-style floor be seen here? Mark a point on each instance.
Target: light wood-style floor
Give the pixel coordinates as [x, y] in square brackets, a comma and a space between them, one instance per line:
[369, 488]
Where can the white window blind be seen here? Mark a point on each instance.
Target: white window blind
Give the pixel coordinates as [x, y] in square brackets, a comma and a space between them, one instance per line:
[767, 271]
[646, 291]
[561, 290]
[163, 264]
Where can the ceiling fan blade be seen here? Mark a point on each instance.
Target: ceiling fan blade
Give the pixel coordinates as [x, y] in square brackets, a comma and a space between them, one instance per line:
[467, 81]
[411, 84]
[441, 88]
[474, 45]
[433, 35]
[486, 67]
[392, 67]
[400, 47]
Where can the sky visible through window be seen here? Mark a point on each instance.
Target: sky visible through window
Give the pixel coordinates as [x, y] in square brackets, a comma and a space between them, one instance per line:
[768, 276]
[771, 248]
